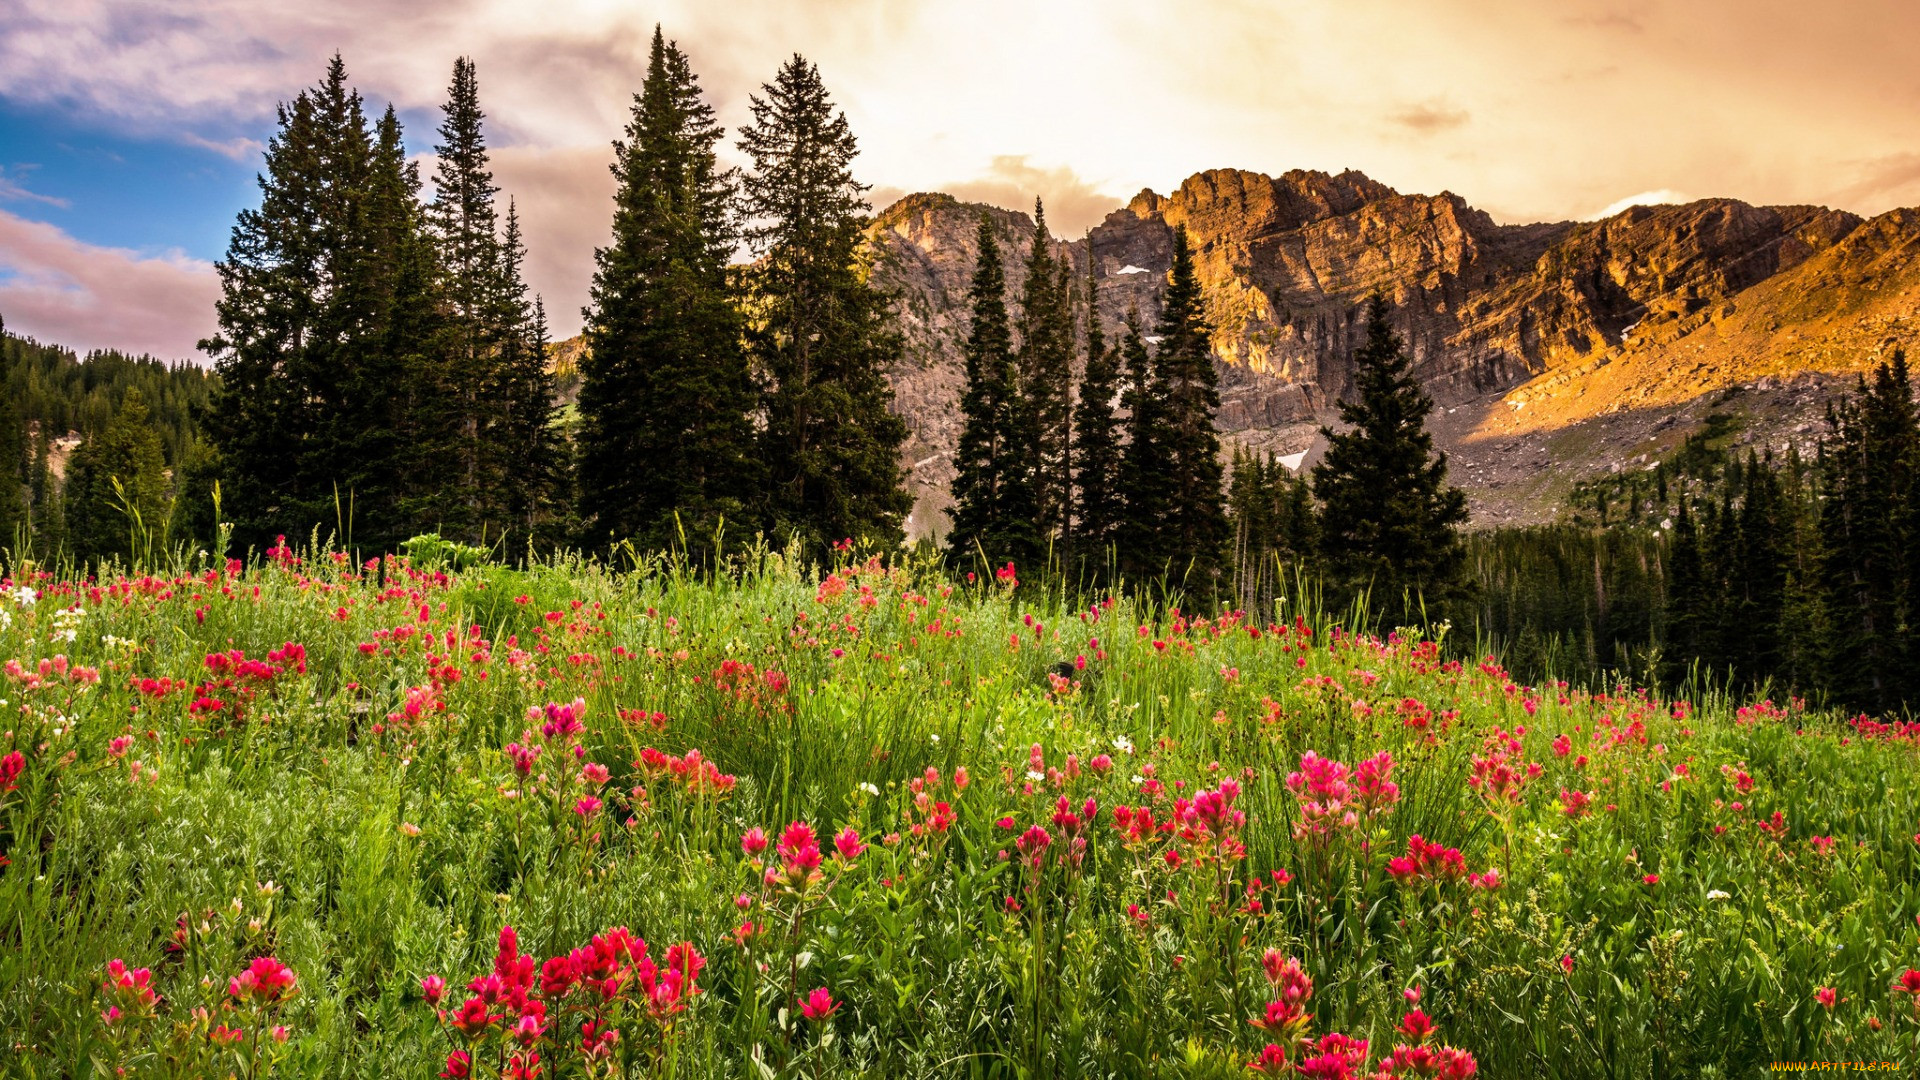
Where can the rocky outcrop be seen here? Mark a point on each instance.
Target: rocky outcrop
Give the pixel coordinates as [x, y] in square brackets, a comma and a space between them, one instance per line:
[1683, 300]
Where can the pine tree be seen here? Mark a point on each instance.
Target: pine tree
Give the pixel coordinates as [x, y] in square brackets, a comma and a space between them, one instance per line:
[983, 527]
[822, 337]
[116, 497]
[1098, 508]
[1757, 587]
[1145, 485]
[1045, 378]
[666, 442]
[294, 309]
[13, 475]
[1196, 520]
[465, 227]
[1388, 517]
[524, 452]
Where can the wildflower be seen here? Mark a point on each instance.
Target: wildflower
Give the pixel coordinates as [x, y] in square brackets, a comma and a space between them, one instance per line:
[1822, 845]
[799, 850]
[279, 1033]
[1826, 996]
[754, 841]
[432, 988]
[1909, 983]
[1416, 1026]
[848, 844]
[1272, 1060]
[1651, 879]
[118, 747]
[265, 979]
[1566, 963]
[459, 1066]
[11, 767]
[1718, 894]
[818, 1005]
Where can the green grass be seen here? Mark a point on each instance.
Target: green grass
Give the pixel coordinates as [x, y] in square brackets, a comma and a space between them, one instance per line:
[300, 821]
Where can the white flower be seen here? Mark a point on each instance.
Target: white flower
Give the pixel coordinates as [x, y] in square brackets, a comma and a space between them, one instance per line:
[1718, 895]
[1123, 744]
[63, 635]
[1138, 779]
[1036, 776]
[24, 596]
[869, 788]
[935, 738]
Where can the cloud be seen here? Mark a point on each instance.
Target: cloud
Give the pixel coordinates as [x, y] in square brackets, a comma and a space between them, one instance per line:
[1011, 182]
[1429, 118]
[565, 199]
[238, 148]
[12, 190]
[60, 289]
[1884, 183]
[1663, 197]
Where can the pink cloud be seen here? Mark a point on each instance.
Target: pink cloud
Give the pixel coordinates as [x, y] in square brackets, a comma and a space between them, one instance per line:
[62, 290]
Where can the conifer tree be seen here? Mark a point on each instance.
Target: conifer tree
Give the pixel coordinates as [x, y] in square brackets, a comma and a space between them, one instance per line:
[294, 309]
[666, 441]
[13, 475]
[1195, 520]
[1145, 485]
[1042, 409]
[1098, 508]
[987, 453]
[466, 229]
[822, 336]
[1388, 517]
[116, 495]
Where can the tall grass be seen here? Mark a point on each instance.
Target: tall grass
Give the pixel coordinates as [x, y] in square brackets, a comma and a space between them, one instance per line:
[313, 818]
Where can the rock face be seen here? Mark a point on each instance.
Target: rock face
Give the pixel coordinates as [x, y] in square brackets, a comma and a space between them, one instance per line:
[1623, 325]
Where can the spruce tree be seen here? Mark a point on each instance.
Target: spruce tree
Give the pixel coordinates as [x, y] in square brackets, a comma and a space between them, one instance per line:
[116, 491]
[666, 440]
[1045, 379]
[1145, 490]
[1388, 518]
[525, 452]
[294, 310]
[822, 336]
[1098, 508]
[1195, 520]
[466, 230]
[982, 524]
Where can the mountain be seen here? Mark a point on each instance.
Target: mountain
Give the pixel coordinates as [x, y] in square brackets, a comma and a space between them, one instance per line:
[1554, 350]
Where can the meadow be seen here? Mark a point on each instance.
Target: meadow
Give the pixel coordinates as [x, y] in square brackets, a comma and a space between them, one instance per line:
[305, 817]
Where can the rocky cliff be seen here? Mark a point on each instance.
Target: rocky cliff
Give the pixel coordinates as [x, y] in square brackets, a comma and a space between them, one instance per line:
[1554, 349]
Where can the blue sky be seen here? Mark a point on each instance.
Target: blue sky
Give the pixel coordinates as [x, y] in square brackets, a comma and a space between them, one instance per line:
[130, 129]
[111, 189]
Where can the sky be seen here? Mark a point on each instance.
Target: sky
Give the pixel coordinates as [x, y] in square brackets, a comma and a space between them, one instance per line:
[131, 130]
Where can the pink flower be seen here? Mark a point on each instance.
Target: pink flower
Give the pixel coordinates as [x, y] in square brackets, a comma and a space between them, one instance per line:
[1651, 879]
[848, 844]
[1416, 1026]
[432, 988]
[818, 1005]
[279, 1033]
[754, 841]
[587, 807]
[799, 849]
[1826, 996]
[459, 1066]
[1566, 963]
[265, 979]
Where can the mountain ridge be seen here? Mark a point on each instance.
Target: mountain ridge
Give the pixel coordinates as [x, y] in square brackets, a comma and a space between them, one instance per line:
[1553, 350]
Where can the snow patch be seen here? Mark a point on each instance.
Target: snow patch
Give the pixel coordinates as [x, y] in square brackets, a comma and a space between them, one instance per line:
[1153, 339]
[1292, 461]
[1130, 269]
